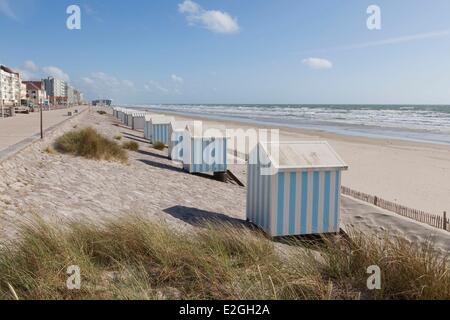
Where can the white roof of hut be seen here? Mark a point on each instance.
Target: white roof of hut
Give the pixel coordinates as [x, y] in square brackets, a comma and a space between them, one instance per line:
[303, 155]
[161, 119]
[180, 125]
[205, 131]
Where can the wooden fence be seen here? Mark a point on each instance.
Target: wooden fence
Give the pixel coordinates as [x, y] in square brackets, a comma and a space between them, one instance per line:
[434, 220]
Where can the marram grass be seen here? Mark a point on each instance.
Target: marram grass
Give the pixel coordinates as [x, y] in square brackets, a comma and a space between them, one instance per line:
[134, 258]
[88, 143]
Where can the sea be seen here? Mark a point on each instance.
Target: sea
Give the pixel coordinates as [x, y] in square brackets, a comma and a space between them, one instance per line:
[420, 123]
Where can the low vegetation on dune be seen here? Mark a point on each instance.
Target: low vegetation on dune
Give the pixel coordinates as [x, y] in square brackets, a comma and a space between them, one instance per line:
[101, 112]
[90, 144]
[134, 258]
[159, 145]
[131, 145]
[118, 137]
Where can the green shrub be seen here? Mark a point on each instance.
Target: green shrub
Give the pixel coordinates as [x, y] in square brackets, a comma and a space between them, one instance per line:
[88, 143]
[131, 145]
[159, 145]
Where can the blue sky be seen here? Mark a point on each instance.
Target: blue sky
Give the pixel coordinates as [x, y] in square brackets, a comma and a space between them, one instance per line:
[235, 51]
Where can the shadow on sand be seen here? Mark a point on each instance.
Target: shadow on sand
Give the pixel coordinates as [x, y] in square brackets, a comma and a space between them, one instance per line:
[198, 218]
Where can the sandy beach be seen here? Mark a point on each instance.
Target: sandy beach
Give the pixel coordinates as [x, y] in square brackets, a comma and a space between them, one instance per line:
[416, 175]
[57, 187]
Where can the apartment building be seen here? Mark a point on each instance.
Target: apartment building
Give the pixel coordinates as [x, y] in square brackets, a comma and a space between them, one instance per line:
[10, 87]
[56, 90]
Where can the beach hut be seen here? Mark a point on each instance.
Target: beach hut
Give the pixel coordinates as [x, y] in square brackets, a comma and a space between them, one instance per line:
[129, 118]
[138, 121]
[159, 127]
[149, 119]
[205, 150]
[294, 188]
[147, 131]
[177, 139]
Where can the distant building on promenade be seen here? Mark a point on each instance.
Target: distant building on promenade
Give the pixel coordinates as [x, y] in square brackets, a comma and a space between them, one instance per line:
[79, 97]
[56, 90]
[35, 92]
[71, 98]
[10, 87]
[102, 102]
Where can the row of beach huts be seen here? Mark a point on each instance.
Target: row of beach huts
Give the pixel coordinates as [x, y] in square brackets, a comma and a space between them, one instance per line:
[293, 188]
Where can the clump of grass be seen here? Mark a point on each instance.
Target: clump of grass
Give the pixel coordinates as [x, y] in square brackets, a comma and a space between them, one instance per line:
[50, 150]
[101, 112]
[159, 145]
[131, 145]
[134, 258]
[118, 137]
[90, 144]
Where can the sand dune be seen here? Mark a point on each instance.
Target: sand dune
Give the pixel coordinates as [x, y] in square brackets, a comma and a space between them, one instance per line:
[56, 187]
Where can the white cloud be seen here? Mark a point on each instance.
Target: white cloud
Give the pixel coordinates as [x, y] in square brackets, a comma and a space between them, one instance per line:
[213, 20]
[5, 8]
[103, 85]
[151, 86]
[56, 73]
[318, 63]
[189, 6]
[177, 79]
[390, 41]
[31, 66]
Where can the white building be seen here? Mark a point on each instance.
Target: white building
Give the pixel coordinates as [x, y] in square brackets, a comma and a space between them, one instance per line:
[56, 90]
[10, 87]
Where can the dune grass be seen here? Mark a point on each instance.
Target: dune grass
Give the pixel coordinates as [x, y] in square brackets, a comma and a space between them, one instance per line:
[101, 112]
[134, 258]
[159, 145]
[131, 145]
[118, 137]
[50, 150]
[90, 144]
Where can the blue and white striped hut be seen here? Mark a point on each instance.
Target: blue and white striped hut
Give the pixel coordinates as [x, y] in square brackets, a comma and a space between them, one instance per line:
[147, 131]
[205, 150]
[124, 118]
[138, 121]
[177, 130]
[159, 127]
[129, 122]
[294, 188]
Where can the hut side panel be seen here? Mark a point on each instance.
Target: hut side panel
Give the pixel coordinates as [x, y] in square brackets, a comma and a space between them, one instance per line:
[160, 133]
[307, 202]
[138, 123]
[258, 193]
[209, 155]
[176, 145]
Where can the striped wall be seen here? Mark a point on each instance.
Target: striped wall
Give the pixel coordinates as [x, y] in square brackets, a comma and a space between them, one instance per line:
[208, 155]
[129, 122]
[160, 133]
[176, 145]
[147, 130]
[138, 122]
[294, 202]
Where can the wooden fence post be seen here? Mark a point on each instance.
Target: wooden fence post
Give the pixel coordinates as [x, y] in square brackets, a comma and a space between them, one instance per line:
[445, 220]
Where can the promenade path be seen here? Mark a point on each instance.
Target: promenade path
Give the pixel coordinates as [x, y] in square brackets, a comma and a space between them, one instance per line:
[19, 131]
